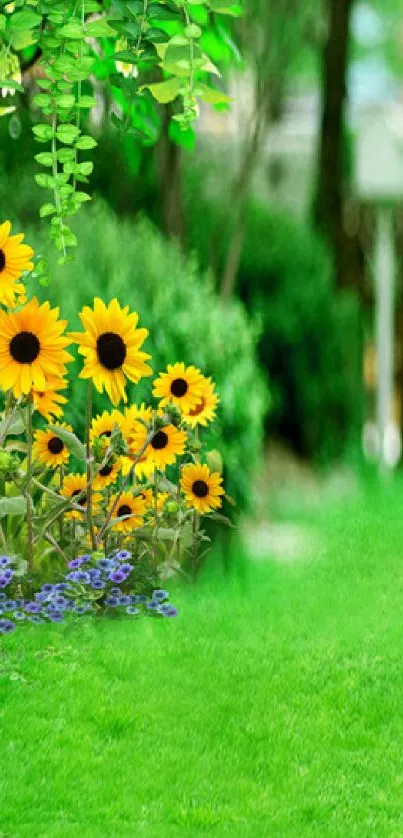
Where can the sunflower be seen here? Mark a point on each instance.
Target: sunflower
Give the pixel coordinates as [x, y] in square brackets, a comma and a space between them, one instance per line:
[15, 258]
[48, 401]
[144, 467]
[204, 412]
[73, 485]
[130, 505]
[166, 444]
[107, 475]
[202, 488]
[180, 385]
[103, 425]
[111, 347]
[49, 449]
[32, 348]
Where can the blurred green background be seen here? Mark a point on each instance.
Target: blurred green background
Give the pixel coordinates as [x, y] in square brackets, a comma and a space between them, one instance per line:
[272, 706]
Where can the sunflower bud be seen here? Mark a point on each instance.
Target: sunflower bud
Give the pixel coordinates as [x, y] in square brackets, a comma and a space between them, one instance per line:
[173, 415]
[171, 507]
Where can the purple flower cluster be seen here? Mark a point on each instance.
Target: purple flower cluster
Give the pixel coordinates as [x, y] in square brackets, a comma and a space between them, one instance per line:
[86, 587]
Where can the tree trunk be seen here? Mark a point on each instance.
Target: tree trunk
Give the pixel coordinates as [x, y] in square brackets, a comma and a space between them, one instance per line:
[329, 198]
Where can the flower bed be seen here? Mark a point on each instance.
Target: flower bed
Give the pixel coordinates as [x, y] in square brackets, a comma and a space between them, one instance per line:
[135, 490]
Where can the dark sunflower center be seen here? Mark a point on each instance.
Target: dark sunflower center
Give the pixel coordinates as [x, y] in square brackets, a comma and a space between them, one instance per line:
[106, 433]
[179, 387]
[82, 500]
[2, 260]
[111, 350]
[123, 510]
[24, 347]
[55, 445]
[200, 488]
[160, 440]
[106, 470]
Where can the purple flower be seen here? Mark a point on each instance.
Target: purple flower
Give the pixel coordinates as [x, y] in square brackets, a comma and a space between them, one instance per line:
[98, 584]
[60, 602]
[73, 576]
[83, 577]
[160, 595]
[123, 555]
[47, 588]
[6, 626]
[18, 615]
[106, 564]
[112, 601]
[118, 576]
[6, 578]
[61, 586]
[139, 598]
[115, 591]
[126, 568]
[4, 561]
[35, 619]
[74, 564]
[33, 607]
[10, 604]
[85, 558]
[19, 602]
[131, 609]
[153, 605]
[94, 572]
[41, 596]
[55, 616]
[125, 600]
[168, 610]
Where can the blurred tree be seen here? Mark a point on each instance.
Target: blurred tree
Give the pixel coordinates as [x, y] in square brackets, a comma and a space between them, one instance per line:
[271, 36]
[329, 198]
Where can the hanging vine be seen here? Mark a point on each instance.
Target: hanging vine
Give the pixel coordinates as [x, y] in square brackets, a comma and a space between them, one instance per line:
[148, 51]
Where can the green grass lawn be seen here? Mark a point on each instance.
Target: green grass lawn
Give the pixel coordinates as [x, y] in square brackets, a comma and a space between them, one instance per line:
[273, 706]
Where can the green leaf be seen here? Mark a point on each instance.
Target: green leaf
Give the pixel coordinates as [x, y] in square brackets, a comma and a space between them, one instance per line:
[44, 180]
[9, 84]
[66, 155]
[43, 132]
[86, 142]
[47, 209]
[211, 95]
[21, 21]
[86, 168]
[13, 506]
[72, 30]
[70, 440]
[81, 197]
[14, 427]
[66, 100]
[165, 91]
[99, 29]
[223, 7]
[67, 133]
[2, 23]
[86, 102]
[45, 158]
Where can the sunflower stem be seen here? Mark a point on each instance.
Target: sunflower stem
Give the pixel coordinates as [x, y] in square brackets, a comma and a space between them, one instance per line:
[124, 485]
[90, 520]
[30, 531]
[195, 541]
[155, 539]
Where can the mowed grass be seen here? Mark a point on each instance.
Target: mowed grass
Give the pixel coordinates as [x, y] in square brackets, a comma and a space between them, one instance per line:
[273, 706]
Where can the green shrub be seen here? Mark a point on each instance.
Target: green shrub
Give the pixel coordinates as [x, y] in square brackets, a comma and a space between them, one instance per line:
[311, 334]
[186, 322]
[310, 340]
